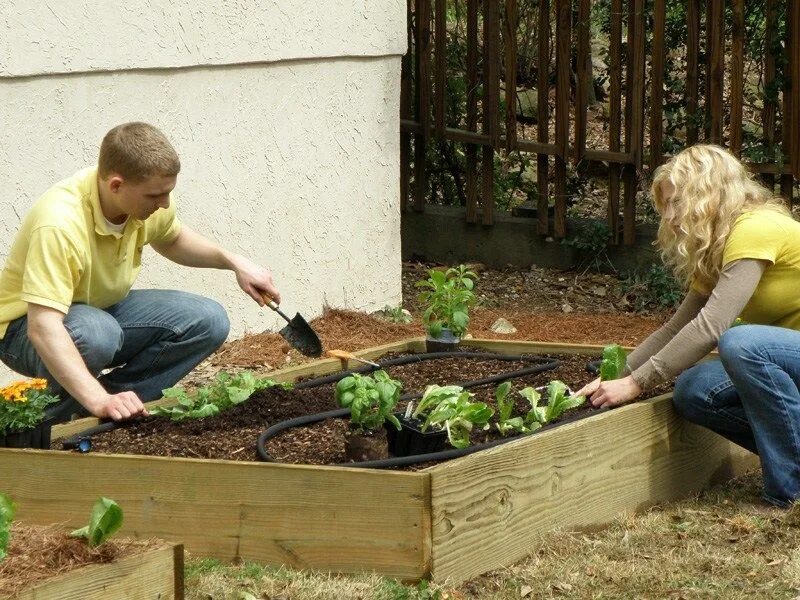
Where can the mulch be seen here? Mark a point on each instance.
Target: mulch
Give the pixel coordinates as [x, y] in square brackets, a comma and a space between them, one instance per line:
[37, 553]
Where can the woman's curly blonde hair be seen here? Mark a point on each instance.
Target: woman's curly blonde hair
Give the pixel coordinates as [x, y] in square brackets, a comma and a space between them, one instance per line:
[712, 189]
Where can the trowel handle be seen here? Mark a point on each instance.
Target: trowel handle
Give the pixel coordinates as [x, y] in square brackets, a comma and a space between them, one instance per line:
[271, 303]
[268, 300]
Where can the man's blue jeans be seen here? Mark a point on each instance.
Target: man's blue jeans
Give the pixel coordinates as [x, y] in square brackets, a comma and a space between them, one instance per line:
[153, 337]
[751, 397]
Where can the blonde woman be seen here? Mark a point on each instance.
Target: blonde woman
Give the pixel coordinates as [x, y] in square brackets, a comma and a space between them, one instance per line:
[737, 249]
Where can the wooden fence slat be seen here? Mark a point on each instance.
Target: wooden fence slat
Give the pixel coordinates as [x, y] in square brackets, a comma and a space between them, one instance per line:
[440, 65]
[510, 24]
[583, 61]
[709, 19]
[543, 114]
[563, 47]
[423, 84]
[615, 118]
[692, 70]
[716, 73]
[471, 151]
[657, 83]
[737, 77]
[794, 70]
[787, 181]
[491, 103]
[634, 117]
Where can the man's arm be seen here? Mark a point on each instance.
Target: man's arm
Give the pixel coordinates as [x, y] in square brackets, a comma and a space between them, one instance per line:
[191, 249]
[55, 347]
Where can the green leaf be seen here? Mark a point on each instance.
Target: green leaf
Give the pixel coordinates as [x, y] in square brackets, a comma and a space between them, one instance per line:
[105, 520]
[7, 511]
[613, 364]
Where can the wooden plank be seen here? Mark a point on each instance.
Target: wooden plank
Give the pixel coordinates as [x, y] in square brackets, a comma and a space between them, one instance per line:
[147, 575]
[563, 46]
[768, 112]
[543, 115]
[440, 65]
[471, 152]
[794, 70]
[737, 77]
[716, 75]
[304, 517]
[634, 117]
[510, 25]
[657, 84]
[615, 117]
[692, 70]
[422, 52]
[582, 71]
[582, 474]
[491, 104]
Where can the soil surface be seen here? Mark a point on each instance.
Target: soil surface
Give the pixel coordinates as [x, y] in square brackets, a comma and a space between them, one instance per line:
[233, 433]
[36, 554]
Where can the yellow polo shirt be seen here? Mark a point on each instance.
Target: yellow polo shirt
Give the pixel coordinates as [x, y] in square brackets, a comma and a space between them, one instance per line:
[65, 253]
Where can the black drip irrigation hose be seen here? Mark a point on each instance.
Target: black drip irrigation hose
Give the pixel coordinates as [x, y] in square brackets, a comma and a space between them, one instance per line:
[544, 364]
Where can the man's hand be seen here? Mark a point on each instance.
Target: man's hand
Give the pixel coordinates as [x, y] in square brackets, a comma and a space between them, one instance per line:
[255, 280]
[118, 407]
[611, 393]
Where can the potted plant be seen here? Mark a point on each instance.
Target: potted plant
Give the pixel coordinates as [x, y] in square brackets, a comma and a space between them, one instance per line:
[412, 439]
[450, 408]
[447, 297]
[371, 400]
[22, 418]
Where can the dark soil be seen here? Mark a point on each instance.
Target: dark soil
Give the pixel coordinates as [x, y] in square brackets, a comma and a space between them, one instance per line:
[232, 434]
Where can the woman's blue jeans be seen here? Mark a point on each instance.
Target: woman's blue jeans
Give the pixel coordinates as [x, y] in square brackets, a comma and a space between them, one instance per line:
[152, 337]
[751, 397]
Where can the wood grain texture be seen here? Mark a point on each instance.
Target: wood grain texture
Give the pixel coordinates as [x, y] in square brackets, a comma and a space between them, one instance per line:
[148, 576]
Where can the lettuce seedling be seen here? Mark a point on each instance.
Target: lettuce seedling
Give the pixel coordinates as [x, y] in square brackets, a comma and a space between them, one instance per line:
[433, 395]
[558, 401]
[7, 511]
[226, 391]
[614, 362]
[505, 422]
[458, 415]
[105, 520]
[371, 399]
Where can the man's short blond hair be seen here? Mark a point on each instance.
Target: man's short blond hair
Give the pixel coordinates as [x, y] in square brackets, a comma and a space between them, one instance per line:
[137, 151]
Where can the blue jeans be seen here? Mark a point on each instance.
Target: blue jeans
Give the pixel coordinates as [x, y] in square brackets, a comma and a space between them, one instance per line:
[751, 397]
[153, 337]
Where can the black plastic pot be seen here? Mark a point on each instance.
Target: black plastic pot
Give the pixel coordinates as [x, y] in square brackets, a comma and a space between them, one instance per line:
[446, 342]
[36, 437]
[411, 440]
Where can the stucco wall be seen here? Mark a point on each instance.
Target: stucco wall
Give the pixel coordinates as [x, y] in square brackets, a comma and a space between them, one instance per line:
[293, 163]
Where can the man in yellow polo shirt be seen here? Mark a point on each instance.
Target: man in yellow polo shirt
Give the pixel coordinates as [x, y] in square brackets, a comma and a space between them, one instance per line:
[67, 311]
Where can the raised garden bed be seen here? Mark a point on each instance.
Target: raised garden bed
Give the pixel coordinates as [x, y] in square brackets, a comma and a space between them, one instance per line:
[451, 520]
[44, 562]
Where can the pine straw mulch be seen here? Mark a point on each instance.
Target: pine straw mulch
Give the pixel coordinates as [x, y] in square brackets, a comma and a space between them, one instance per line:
[351, 331]
[37, 553]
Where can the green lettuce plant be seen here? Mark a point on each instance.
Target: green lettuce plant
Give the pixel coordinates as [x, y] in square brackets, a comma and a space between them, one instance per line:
[447, 296]
[558, 401]
[505, 406]
[7, 511]
[614, 362]
[206, 401]
[450, 408]
[371, 399]
[105, 520]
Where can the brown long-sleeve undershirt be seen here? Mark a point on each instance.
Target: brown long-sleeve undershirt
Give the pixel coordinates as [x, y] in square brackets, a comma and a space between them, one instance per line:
[695, 328]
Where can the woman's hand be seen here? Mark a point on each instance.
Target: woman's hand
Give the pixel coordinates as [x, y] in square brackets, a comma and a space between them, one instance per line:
[611, 393]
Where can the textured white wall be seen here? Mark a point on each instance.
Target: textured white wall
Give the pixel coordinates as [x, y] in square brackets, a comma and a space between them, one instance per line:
[293, 163]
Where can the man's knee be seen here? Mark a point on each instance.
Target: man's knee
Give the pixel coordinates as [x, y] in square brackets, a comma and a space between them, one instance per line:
[210, 321]
[96, 334]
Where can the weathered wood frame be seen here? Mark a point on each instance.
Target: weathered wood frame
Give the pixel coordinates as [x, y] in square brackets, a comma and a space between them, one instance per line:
[152, 574]
[452, 521]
